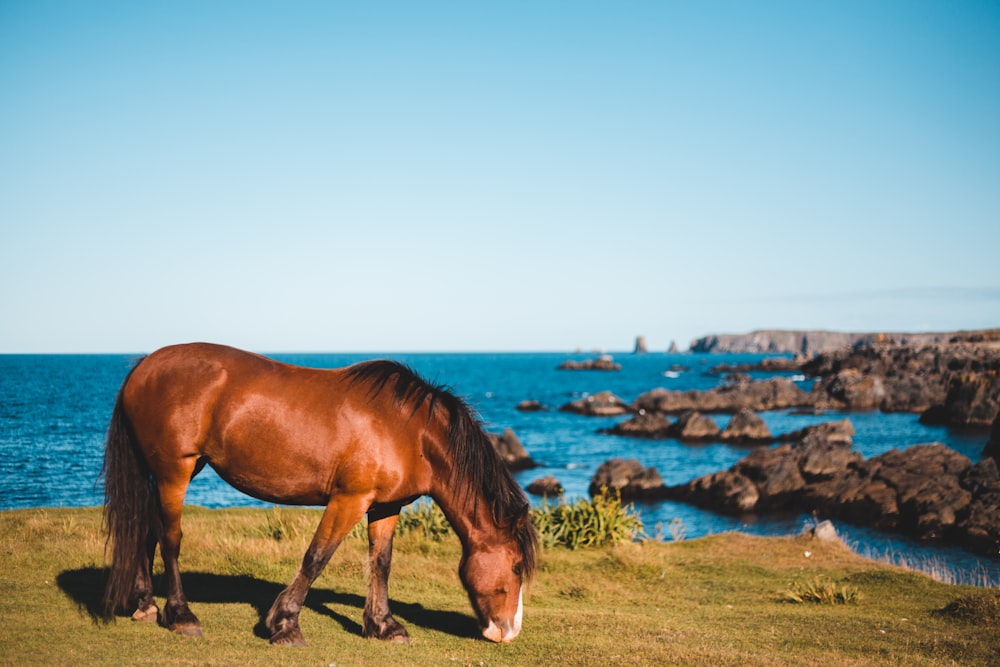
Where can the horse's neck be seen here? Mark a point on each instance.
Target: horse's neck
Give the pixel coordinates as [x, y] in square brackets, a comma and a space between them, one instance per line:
[469, 517]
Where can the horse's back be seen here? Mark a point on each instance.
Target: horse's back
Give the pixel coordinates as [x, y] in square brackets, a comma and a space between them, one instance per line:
[275, 431]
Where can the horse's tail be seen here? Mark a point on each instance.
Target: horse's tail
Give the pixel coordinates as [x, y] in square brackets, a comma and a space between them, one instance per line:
[131, 509]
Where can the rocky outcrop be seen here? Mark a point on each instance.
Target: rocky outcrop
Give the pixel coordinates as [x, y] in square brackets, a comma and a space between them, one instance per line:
[629, 478]
[691, 426]
[746, 428]
[547, 486]
[602, 363]
[640, 345]
[530, 406]
[927, 491]
[510, 449]
[807, 343]
[652, 425]
[761, 395]
[602, 404]
[992, 448]
[955, 384]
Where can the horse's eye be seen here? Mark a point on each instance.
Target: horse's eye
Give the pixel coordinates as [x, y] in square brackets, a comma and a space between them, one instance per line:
[517, 569]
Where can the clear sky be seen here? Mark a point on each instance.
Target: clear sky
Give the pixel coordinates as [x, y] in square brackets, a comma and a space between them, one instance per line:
[410, 176]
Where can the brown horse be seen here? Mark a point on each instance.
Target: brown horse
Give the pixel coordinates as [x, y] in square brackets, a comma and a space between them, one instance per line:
[369, 438]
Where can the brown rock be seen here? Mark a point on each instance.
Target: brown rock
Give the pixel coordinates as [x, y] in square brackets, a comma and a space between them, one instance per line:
[693, 426]
[746, 427]
[511, 450]
[547, 486]
[602, 404]
[629, 478]
[651, 425]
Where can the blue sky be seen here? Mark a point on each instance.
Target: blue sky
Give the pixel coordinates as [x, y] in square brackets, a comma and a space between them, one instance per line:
[353, 176]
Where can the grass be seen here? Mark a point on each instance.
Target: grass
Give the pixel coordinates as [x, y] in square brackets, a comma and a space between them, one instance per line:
[712, 601]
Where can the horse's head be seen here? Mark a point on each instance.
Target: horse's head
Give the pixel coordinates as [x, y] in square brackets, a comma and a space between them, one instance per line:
[493, 577]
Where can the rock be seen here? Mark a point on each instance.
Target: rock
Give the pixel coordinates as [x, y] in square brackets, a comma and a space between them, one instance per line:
[629, 478]
[806, 343]
[602, 363]
[953, 382]
[759, 396]
[726, 491]
[640, 345]
[838, 431]
[775, 473]
[651, 425]
[692, 426]
[511, 450]
[746, 427]
[824, 531]
[992, 448]
[602, 404]
[530, 406]
[927, 491]
[673, 349]
[547, 486]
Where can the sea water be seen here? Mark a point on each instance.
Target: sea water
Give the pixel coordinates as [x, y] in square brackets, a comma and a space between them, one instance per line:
[54, 411]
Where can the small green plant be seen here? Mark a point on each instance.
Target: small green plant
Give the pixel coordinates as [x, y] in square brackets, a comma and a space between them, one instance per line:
[425, 518]
[822, 592]
[600, 521]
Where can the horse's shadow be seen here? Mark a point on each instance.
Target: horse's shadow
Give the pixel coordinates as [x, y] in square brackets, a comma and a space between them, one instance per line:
[85, 586]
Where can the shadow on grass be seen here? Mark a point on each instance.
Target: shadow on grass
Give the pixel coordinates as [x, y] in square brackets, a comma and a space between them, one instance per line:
[85, 587]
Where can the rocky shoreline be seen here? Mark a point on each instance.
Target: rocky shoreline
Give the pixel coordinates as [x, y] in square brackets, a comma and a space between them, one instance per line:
[927, 491]
[953, 384]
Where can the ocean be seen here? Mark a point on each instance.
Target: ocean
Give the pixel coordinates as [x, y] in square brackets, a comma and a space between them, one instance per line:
[54, 411]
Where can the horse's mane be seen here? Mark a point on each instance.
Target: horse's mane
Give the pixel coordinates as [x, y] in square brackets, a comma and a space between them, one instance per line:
[477, 472]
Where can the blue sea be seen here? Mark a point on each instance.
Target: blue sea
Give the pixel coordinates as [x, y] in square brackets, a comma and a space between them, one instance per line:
[54, 411]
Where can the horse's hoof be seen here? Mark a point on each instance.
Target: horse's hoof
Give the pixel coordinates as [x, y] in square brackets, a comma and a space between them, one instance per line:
[150, 613]
[290, 638]
[186, 629]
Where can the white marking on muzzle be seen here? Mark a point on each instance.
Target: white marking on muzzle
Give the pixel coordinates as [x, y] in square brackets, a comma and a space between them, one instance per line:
[496, 633]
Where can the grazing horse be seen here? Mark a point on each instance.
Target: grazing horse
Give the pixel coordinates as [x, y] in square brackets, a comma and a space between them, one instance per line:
[369, 438]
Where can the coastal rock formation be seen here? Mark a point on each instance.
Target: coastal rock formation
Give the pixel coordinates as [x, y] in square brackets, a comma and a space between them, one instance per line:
[530, 406]
[602, 404]
[693, 426]
[955, 383]
[640, 345]
[806, 343]
[992, 448]
[629, 478]
[652, 425]
[761, 395]
[510, 449]
[746, 428]
[926, 491]
[547, 486]
[602, 363]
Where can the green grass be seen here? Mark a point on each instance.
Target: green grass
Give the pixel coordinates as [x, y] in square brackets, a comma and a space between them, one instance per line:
[712, 601]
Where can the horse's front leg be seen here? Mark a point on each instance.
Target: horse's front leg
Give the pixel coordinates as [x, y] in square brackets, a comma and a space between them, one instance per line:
[339, 517]
[378, 621]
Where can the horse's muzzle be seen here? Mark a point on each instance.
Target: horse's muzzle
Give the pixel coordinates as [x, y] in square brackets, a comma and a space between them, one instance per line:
[506, 631]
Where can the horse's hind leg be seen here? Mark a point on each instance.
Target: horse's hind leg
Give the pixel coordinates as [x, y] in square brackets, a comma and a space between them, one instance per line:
[145, 608]
[378, 621]
[176, 614]
[340, 515]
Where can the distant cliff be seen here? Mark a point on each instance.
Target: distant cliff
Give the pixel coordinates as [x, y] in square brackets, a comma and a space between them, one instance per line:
[807, 343]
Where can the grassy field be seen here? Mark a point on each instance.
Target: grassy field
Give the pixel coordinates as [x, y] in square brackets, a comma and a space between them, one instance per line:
[722, 600]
